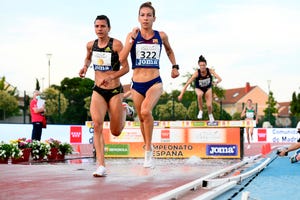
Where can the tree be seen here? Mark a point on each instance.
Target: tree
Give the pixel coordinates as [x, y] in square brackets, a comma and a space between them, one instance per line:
[270, 110]
[56, 104]
[75, 91]
[8, 105]
[9, 100]
[236, 116]
[37, 85]
[295, 108]
[193, 110]
[8, 88]
[165, 111]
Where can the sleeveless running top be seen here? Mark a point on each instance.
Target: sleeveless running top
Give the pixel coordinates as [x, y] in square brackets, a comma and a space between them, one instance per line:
[146, 53]
[105, 59]
[250, 113]
[203, 82]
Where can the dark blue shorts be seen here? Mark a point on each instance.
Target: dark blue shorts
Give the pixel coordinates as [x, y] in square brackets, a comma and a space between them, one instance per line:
[143, 87]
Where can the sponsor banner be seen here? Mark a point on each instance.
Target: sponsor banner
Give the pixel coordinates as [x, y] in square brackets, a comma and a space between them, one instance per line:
[261, 134]
[198, 124]
[75, 134]
[222, 150]
[165, 135]
[168, 142]
[274, 135]
[171, 135]
[179, 142]
[280, 135]
[116, 149]
[174, 150]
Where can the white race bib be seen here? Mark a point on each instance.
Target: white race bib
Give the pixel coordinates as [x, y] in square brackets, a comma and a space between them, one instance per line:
[101, 60]
[147, 54]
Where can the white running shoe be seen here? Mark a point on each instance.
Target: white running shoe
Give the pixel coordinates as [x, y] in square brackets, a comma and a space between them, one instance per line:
[249, 146]
[148, 162]
[101, 171]
[211, 118]
[129, 109]
[200, 113]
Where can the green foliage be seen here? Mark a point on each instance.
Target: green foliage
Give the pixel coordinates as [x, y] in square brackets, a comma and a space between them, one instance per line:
[295, 105]
[37, 85]
[8, 105]
[165, 111]
[9, 100]
[56, 104]
[295, 108]
[53, 143]
[87, 104]
[65, 148]
[40, 150]
[270, 110]
[7, 87]
[76, 90]
[188, 98]
[5, 150]
[16, 152]
[192, 110]
[236, 116]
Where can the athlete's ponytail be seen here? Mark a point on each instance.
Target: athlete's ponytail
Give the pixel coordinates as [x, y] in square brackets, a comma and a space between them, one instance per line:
[202, 59]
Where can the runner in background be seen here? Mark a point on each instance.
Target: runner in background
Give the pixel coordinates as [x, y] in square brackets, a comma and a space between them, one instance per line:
[203, 87]
[250, 114]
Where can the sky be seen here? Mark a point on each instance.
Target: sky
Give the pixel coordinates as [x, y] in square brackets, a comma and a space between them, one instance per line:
[253, 41]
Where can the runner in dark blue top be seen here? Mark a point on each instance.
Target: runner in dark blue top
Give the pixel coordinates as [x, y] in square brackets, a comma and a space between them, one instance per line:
[203, 86]
[145, 44]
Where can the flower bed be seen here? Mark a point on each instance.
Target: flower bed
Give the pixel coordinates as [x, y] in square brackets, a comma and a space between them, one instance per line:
[39, 150]
[20, 150]
[5, 152]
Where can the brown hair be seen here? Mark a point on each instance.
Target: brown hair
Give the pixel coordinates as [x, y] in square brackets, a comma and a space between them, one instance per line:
[147, 4]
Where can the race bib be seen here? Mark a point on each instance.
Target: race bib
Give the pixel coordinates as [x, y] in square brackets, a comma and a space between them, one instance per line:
[147, 55]
[101, 61]
[204, 82]
[250, 115]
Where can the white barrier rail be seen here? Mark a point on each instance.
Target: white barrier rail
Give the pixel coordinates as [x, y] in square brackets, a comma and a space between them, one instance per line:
[179, 191]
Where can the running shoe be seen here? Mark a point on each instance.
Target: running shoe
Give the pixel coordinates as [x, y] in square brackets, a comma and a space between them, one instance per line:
[129, 110]
[148, 162]
[101, 171]
[200, 113]
[211, 118]
[295, 158]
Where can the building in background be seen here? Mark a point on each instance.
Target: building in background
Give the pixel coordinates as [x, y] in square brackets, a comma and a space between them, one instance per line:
[235, 99]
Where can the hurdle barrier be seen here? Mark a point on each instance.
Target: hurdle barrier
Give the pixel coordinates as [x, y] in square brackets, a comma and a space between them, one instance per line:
[179, 139]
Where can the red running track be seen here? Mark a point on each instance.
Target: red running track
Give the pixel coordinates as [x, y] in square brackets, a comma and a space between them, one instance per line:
[126, 179]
